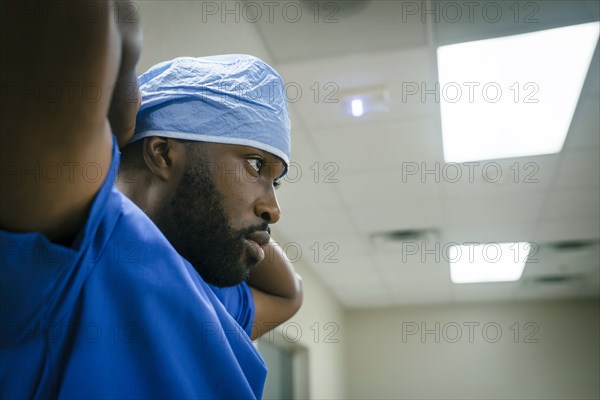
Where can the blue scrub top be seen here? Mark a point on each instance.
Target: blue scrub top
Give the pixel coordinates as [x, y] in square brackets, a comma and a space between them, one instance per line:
[119, 314]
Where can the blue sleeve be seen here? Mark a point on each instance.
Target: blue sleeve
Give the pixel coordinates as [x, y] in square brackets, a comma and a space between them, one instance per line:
[239, 303]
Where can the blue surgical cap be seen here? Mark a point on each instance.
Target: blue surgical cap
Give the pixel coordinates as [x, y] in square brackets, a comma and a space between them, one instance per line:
[231, 99]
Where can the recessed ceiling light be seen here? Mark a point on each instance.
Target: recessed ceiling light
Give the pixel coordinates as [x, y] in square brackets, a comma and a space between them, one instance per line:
[490, 262]
[512, 96]
[357, 107]
[362, 101]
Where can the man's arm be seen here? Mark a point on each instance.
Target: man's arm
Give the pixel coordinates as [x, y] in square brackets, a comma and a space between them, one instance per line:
[58, 74]
[126, 98]
[276, 289]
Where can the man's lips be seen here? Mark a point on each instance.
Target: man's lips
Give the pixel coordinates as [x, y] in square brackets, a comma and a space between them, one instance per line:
[256, 240]
[260, 237]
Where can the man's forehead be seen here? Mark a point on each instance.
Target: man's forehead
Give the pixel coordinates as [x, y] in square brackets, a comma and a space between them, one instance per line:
[268, 155]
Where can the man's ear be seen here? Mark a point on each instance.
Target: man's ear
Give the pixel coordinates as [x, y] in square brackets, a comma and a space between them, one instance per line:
[164, 157]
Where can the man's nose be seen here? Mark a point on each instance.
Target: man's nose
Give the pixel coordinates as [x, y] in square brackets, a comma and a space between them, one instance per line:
[267, 207]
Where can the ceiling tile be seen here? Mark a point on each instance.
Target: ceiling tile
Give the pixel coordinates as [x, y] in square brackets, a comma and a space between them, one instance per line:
[341, 277]
[375, 147]
[498, 232]
[579, 168]
[554, 230]
[497, 291]
[534, 291]
[309, 182]
[385, 187]
[414, 262]
[591, 86]
[407, 215]
[300, 30]
[299, 192]
[584, 132]
[421, 292]
[333, 248]
[484, 209]
[332, 221]
[363, 296]
[192, 32]
[572, 203]
[496, 177]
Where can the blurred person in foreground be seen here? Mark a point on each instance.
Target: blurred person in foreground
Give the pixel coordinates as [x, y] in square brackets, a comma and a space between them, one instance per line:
[95, 302]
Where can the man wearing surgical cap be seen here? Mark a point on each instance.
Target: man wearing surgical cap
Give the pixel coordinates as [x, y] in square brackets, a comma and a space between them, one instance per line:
[211, 145]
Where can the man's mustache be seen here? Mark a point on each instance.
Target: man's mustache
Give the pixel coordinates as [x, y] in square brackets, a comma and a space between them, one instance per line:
[254, 228]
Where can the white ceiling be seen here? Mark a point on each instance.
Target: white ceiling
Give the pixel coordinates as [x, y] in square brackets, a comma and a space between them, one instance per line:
[347, 181]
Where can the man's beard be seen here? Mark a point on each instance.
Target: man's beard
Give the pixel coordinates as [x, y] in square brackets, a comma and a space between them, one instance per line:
[200, 231]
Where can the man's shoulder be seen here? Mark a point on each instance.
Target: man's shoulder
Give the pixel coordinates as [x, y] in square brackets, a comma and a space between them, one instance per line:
[136, 245]
[135, 223]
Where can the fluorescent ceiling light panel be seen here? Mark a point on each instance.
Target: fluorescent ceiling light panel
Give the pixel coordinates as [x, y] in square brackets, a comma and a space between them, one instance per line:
[512, 96]
[490, 262]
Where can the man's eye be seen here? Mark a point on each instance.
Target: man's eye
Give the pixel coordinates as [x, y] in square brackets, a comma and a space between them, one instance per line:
[256, 163]
[276, 184]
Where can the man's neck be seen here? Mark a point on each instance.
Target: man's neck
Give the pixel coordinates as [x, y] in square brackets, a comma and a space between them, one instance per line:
[136, 192]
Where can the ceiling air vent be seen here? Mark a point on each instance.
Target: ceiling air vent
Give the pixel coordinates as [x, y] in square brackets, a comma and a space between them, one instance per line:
[553, 279]
[572, 245]
[397, 238]
[337, 8]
